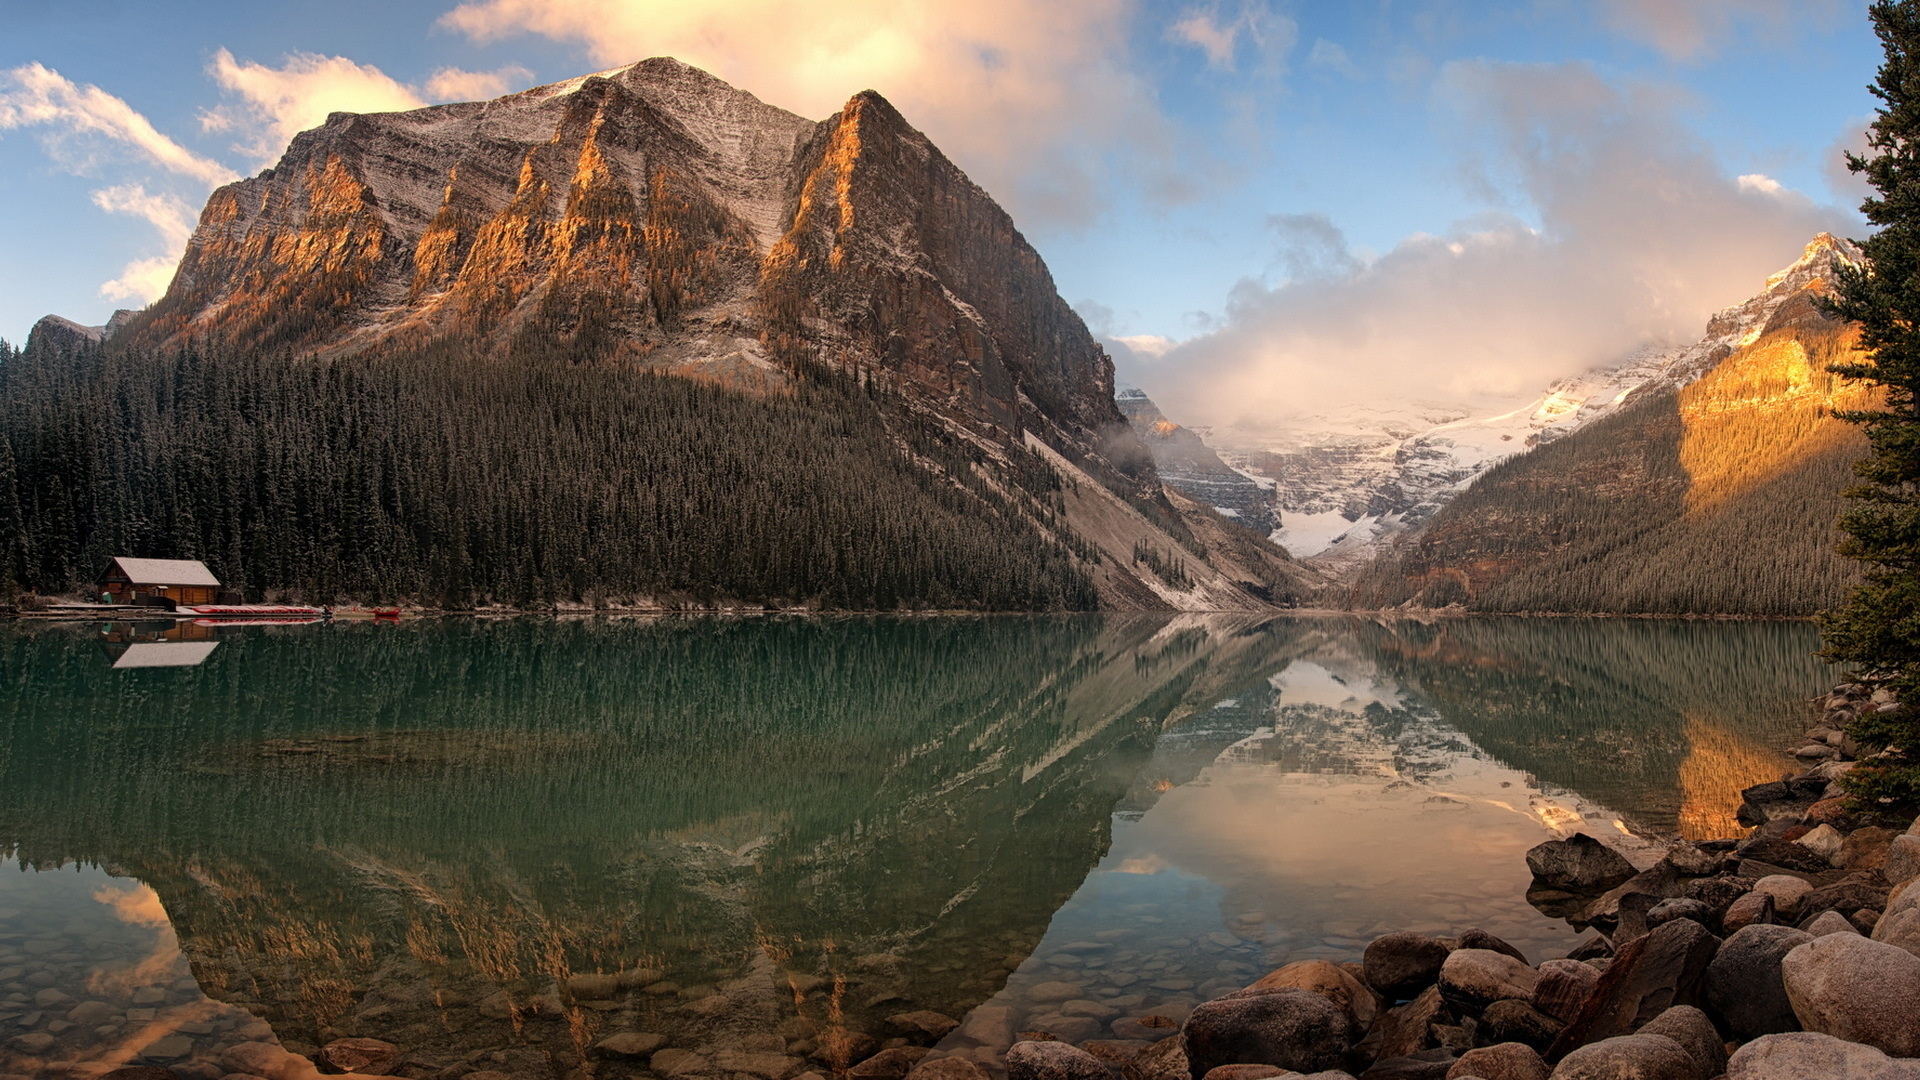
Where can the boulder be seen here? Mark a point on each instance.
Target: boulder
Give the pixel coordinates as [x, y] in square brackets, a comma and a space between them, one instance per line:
[1660, 883]
[1116, 1051]
[1630, 1057]
[1680, 907]
[1695, 1033]
[1753, 909]
[1408, 1028]
[921, 1026]
[1783, 853]
[1472, 979]
[1866, 849]
[1804, 1055]
[1401, 965]
[1824, 841]
[893, 1063]
[769, 1065]
[1856, 989]
[1248, 1072]
[1668, 967]
[1902, 863]
[674, 1063]
[1828, 922]
[1501, 1061]
[1860, 893]
[1694, 861]
[1518, 1022]
[1578, 864]
[1787, 892]
[1901, 929]
[1164, 1060]
[1330, 981]
[1563, 987]
[956, 1068]
[1475, 938]
[838, 1048]
[1425, 1065]
[1744, 988]
[1053, 1061]
[1830, 812]
[1718, 893]
[1295, 1029]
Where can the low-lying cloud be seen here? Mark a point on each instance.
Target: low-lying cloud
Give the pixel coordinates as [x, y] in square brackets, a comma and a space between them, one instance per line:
[1693, 29]
[1611, 226]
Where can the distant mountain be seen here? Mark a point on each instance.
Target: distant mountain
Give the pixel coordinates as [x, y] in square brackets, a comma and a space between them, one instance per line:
[880, 398]
[1350, 485]
[1710, 487]
[1186, 462]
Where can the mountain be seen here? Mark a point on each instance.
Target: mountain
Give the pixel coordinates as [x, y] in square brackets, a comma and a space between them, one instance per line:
[1186, 462]
[1349, 486]
[878, 398]
[1711, 488]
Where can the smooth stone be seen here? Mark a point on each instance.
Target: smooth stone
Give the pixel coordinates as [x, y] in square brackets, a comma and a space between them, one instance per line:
[1248, 1072]
[1475, 938]
[1053, 1061]
[1824, 841]
[1501, 1061]
[1744, 986]
[921, 1025]
[1059, 1026]
[33, 1042]
[1856, 989]
[1085, 1007]
[1806, 1055]
[1787, 892]
[1052, 991]
[674, 1062]
[1902, 863]
[170, 1048]
[1829, 922]
[1630, 1057]
[1473, 979]
[1115, 1051]
[1901, 928]
[1695, 1033]
[1867, 849]
[1751, 909]
[1400, 965]
[1579, 863]
[1295, 1029]
[763, 1065]
[1330, 981]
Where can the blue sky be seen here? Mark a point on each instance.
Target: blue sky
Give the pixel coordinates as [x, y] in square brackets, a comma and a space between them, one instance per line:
[1262, 205]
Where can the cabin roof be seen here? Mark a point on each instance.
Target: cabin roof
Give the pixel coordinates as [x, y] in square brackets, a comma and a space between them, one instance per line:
[164, 571]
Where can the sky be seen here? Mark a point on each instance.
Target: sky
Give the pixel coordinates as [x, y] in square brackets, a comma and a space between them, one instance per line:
[1270, 211]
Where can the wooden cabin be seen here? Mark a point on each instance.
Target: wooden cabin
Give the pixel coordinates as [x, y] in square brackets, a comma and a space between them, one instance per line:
[183, 581]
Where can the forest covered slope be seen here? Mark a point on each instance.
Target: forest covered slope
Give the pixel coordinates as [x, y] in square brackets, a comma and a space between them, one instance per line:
[634, 338]
[1719, 497]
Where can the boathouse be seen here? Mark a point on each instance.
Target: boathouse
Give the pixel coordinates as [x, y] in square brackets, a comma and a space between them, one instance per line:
[183, 581]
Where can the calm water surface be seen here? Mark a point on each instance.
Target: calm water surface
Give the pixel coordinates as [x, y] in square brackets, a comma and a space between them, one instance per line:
[497, 843]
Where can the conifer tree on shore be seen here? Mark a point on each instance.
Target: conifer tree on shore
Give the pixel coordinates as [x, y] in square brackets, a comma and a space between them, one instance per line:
[1878, 629]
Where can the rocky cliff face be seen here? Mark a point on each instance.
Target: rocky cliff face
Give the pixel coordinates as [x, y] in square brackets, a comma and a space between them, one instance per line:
[657, 217]
[1713, 488]
[1185, 461]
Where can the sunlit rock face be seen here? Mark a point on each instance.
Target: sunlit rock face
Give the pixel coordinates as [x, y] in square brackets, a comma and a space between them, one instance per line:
[1714, 491]
[655, 213]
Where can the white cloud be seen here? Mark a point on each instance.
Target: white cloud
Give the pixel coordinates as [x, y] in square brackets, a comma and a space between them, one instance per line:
[81, 116]
[277, 103]
[1268, 34]
[1640, 236]
[1153, 345]
[1695, 29]
[165, 212]
[453, 84]
[1036, 99]
[143, 280]
[1333, 57]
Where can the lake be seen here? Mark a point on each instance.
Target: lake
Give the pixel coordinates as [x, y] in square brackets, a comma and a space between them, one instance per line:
[744, 842]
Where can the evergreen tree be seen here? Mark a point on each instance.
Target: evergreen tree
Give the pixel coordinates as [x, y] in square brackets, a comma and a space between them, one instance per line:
[1878, 629]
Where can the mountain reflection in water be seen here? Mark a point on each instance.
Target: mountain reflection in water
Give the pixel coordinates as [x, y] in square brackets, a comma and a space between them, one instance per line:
[765, 833]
